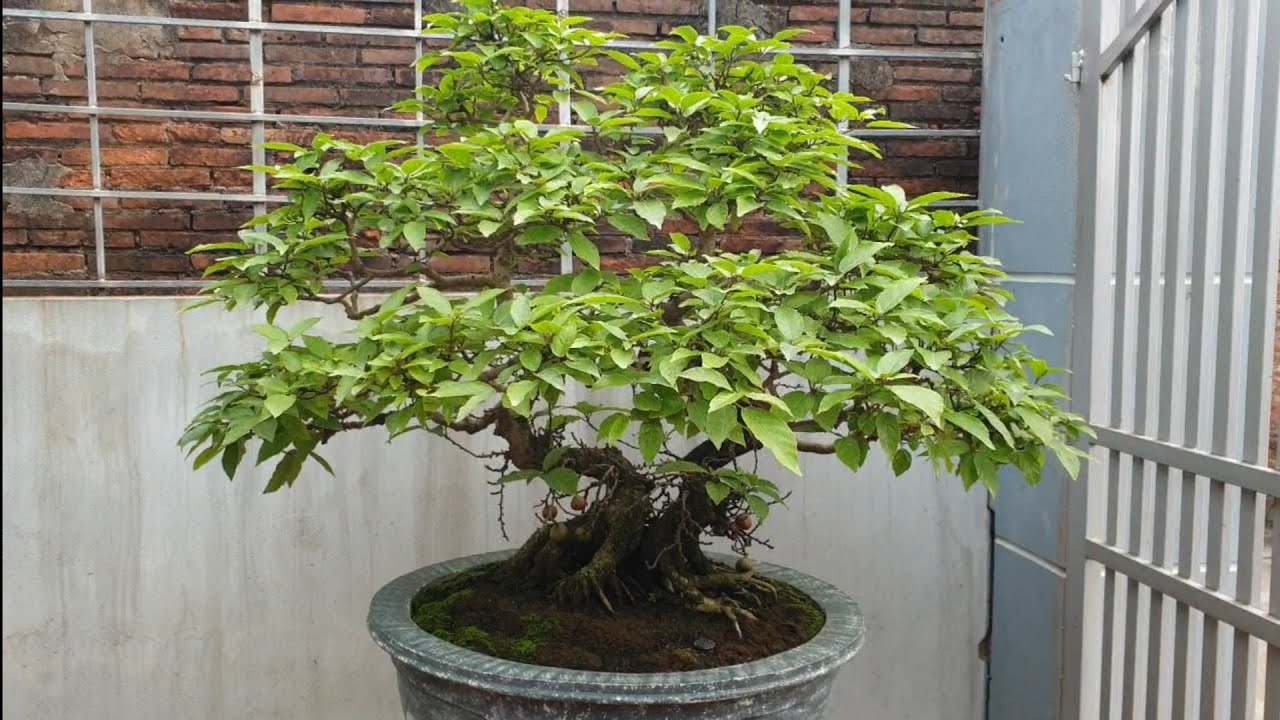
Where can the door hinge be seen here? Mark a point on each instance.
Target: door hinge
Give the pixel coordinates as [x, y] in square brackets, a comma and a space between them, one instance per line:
[1077, 67]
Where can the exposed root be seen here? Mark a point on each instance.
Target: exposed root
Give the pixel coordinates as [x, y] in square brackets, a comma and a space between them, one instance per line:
[727, 607]
[734, 582]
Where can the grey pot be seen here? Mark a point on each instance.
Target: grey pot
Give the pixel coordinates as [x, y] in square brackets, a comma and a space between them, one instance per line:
[441, 681]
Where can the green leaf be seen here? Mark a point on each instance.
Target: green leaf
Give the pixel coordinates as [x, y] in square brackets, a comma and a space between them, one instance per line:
[235, 451]
[286, 471]
[717, 491]
[746, 204]
[614, 427]
[971, 425]
[520, 311]
[772, 430]
[928, 401]
[988, 472]
[758, 506]
[651, 439]
[519, 391]
[654, 211]
[721, 424]
[585, 249]
[895, 293]
[893, 361]
[278, 404]
[852, 452]
[790, 323]
[562, 480]
[205, 456]
[707, 375]
[836, 227]
[718, 215]
[415, 234]
[631, 225]
[434, 300]
[889, 432]
[901, 462]
[1039, 425]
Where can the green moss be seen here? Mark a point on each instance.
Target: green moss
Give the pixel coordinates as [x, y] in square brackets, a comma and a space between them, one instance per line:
[790, 597]
[536, 629]
[524, 650]
[474, 638]
[436, 617]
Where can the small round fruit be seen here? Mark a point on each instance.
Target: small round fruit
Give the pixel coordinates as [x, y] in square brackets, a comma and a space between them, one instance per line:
[582, 534]
[549, 511]
[560, 533]
[745, 564]
[744, 522]
[578, 503]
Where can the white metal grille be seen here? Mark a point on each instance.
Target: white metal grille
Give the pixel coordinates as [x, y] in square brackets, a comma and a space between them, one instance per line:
[1177, 270]
[258, 115]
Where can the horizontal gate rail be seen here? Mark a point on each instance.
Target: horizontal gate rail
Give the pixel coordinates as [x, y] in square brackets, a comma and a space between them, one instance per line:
[1249, 477]
[1212, 603]
[1133, 31]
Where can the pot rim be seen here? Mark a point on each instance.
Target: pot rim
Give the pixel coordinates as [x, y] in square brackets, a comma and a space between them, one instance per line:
[392, 627]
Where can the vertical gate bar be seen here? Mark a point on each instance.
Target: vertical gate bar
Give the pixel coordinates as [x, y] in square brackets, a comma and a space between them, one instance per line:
[1109, 689]
[565, 117]
[1229, 421]
[1085, 590]
[418, 49]
[1266, 254]
[1266, 248]
[844, 66]
[1185, 673]
[712, 23]
[1214, 570]
[95, 142]
[1128, 200]
[257, 105]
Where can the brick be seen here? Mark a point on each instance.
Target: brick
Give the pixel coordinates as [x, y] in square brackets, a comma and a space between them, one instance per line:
[388, 56]
[41, 263]
[949, 36]
[158, 178]
[902, 16]
[461, 264]
[212, 51]
[964, 19]
[15, 237]
[660, 7]
[148, 221]
[65, 88]
[202, 261]
[311, 14]
[139, 262]
[302, 95]
[884, 36]
[220, 221]
[816, 34]
[390, 17]
[29, 65]
[287, 54]
[926, 148]
[200, 33]
[117, 156]
[210, 10]
[234, 135]
[58, 238]
[178, 240]
[46, 130]
[76, 179]
[190, 93]
[194, 133]
[209, 157]
[232, 178]
[369, 97]
[933, 74]
[146, 70]
[813, 13]
[148, 133]
[238, 73]
[120, 239]
[629, 26]
[911, 93]
[346, 75]
[18, 86]
[962, 94]
[118, 89]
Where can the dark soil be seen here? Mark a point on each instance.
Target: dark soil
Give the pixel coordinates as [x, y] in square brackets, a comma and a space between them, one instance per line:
[655, 634]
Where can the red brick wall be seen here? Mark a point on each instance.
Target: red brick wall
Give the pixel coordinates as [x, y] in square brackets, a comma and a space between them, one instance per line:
[328, 73]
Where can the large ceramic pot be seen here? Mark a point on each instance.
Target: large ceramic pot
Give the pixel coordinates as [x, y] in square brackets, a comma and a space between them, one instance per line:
[441, 681]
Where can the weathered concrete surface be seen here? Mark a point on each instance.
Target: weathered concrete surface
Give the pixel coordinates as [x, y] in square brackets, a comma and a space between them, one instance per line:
[134, 587]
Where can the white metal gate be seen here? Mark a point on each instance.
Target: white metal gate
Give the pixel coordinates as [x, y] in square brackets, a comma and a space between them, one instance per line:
[1168, 612]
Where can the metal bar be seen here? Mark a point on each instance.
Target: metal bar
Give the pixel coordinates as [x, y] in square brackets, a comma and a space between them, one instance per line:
[1213, 604]
[1259, 357]
[797, 51]
[336, 286]
[1272, 699]
[1185, 673]
[1254, 478]
[1134, 30]
[844, 39]
[713, 23]
[144, 195]
[1243, 661]
[257, 106]
[1215, 571]
[95, 142]
[241, 117]
[1080, 684]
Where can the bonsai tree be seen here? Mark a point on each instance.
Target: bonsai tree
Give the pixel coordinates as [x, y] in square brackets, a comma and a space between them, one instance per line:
[878, 326]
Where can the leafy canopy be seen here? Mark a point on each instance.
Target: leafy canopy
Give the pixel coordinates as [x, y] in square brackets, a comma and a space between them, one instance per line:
[880, 326]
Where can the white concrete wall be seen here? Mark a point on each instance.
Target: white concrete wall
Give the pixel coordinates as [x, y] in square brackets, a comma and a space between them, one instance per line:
[137, 589]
